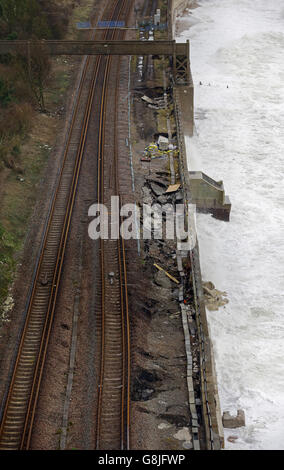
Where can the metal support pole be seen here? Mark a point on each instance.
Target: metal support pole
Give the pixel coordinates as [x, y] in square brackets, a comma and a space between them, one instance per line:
[188, 62]
[175, 62]
[29, 60]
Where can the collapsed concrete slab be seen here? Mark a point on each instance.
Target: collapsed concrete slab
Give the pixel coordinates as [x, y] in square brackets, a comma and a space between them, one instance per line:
[233, 422]
[209, 195]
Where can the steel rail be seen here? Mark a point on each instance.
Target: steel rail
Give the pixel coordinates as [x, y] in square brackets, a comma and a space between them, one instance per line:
[124, 310]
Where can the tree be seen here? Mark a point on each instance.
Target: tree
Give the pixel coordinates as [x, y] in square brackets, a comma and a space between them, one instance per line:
[6, 92]
[11, 11]
[34, 66]
[24, 17]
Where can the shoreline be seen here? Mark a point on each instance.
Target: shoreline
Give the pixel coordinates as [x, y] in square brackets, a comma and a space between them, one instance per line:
[210, 394]
[240, 46]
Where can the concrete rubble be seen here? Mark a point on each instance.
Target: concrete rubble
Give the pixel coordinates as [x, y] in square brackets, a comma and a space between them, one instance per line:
[162, 280]
[156, 103]
[233, 422]
[157, 189]
[214, 299]
[163, 143]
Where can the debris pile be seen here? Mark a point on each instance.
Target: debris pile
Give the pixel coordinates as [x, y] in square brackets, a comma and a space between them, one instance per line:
[156, 103]
[157, 190]
[163, 143]
[214, 299]
[159, 149]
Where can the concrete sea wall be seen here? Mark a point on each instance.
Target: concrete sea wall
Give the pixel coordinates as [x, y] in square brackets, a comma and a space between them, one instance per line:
[177, 7]
[209, 389]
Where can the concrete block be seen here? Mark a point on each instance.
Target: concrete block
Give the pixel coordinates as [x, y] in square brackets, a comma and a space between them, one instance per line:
[190, 385]
[196, 444]
[232, 422]
[163, 143]
[179, 263]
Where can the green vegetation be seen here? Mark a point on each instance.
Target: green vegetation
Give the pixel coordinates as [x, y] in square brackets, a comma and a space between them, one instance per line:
[25, 96]
[15, 210]
[7, 262]
[23, 81]
[24, 19]
[6, 92]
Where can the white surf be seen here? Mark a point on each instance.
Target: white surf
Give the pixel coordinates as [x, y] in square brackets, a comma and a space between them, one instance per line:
[237, 57]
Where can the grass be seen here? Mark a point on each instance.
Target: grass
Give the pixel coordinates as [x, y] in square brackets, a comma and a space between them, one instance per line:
[20, 189]
[81, 13]
[31, 149]
[8, 244]
[61, 78]
[16, 207]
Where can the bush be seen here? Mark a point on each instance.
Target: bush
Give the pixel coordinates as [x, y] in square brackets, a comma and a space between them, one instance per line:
[6, 92]
[57, 17]
[7, 263]
[43, 19]
[15, 120]
[36, 72]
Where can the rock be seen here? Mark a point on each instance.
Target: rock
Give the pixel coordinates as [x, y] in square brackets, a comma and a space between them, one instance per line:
[154, 251]
[162, 199]
[183, 435]
[8, 305]
[157, 189]
[159, 179]
[213, 297]
[162, 280]
[147, 198]
[164, 426]
[209, 285]
[173, 316]
[233, 422]
[147, 393]
[187, 445]
[232, 439]
[175, 294]
[147, 99]
[179, 196]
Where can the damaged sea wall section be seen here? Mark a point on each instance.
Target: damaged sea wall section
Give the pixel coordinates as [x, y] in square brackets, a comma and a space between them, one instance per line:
[176, 7]
[184, 115]
[209, 388]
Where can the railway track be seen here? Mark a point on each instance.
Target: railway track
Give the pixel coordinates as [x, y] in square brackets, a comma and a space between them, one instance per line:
[21, 399]
[113, 415]
[149, 8]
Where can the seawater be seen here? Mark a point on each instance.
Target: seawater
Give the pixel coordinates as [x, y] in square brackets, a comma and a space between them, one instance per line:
[237, 59]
